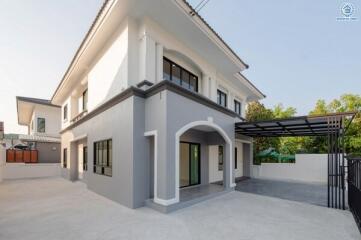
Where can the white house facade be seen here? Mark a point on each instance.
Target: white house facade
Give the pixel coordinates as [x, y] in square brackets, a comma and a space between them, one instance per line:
[43, 122]
[149, 103]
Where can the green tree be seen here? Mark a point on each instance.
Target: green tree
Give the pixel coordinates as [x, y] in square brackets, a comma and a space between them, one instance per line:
[346, 103]
[257, 112]
[280, 112]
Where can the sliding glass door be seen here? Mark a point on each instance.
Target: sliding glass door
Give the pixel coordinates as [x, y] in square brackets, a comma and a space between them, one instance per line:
[189, 164]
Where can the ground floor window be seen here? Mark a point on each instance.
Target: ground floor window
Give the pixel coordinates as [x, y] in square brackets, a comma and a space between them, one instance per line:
[103, 157]
[220, 158]
[190, 160]
[85, 158]
[65, 157]
[235, 157]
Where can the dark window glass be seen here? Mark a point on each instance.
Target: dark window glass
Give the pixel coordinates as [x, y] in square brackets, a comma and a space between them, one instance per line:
[185, 79]
[65, 157]
[193, 83]
[85, 100]
[166, 70]
[65, 112]
[41, 125]
[179, 75]
[85, 158]
[103, 157]
[237, 107]
[176, 74]
[235, 158]
[221, 98]
[220, 158]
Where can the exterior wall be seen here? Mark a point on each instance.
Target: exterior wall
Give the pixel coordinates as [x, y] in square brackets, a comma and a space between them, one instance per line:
[105, 78]
[239, 171]
[156, 42]
[38, 170]
[52, 120]
[307, 168]
[215, 175]
[48, 152]
[116, 124]
[109, 74]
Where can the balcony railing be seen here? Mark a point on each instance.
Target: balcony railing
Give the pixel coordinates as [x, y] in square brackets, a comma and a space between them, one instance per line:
[79, 116]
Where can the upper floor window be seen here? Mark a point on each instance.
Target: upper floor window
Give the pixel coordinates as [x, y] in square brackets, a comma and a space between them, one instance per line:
[85, 100]
[179, 75]
[237, 107]
[41, 125]
[221, 98]
[65, 112]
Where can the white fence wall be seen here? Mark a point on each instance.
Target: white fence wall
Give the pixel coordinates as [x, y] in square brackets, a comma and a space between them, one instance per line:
[36, 170]
[307, 168]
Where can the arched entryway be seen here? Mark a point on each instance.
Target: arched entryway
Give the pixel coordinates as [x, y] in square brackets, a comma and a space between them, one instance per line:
[201, 147]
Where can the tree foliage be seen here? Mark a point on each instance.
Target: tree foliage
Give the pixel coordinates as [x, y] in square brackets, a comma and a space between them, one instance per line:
[257, 112]
[291, 145]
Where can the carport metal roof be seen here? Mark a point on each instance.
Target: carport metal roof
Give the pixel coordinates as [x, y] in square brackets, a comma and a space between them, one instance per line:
[320, 125]
[333, 126]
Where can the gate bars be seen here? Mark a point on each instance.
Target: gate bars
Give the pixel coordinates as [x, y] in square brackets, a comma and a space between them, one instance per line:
[354, 188]
[337, 160]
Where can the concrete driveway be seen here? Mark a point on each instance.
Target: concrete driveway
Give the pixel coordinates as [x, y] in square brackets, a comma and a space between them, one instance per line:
[57, 209]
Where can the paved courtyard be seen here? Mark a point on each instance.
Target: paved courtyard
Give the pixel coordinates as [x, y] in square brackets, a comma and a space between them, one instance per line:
[57, 209]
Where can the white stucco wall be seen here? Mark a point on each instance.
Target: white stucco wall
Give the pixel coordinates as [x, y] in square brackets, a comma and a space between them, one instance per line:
[38, 170]
[52, 119]
[308, 168]
[214, 174]
[109, 74]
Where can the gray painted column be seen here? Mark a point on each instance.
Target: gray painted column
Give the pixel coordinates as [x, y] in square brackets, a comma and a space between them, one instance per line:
[73, 157]
[226, 167]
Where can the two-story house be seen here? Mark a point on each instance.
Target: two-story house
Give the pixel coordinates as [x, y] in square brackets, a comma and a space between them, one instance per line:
[42, 118]
[149, 105]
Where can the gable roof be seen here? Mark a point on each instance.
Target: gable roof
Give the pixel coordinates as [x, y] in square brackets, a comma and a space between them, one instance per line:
[36, 101]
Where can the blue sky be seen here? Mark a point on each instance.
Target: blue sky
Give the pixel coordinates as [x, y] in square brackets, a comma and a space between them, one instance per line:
[298, 51]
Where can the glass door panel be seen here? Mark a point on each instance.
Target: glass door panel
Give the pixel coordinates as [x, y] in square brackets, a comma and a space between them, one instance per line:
[194, 162]
[184, 164]
[189, 162]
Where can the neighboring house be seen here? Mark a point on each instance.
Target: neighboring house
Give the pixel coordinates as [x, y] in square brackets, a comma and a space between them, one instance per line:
[149, 105]
[43, 121]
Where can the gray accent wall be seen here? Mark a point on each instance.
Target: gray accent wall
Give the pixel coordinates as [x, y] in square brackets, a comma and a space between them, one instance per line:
[48, 152]
[133, 164]
[167, 112]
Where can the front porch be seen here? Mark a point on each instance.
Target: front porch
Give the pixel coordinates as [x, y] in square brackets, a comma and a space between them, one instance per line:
[190, 196]
[207, 165]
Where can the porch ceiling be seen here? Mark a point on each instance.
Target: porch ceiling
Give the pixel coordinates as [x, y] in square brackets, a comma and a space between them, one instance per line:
[320, 125]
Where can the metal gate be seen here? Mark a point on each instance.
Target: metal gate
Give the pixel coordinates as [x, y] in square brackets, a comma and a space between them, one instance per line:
[336, 162]
[354, 188]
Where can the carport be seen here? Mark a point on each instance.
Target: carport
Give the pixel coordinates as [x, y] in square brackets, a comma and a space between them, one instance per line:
[332, 126]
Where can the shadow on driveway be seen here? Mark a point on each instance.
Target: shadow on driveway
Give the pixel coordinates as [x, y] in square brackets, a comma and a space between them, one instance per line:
[301, 192]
